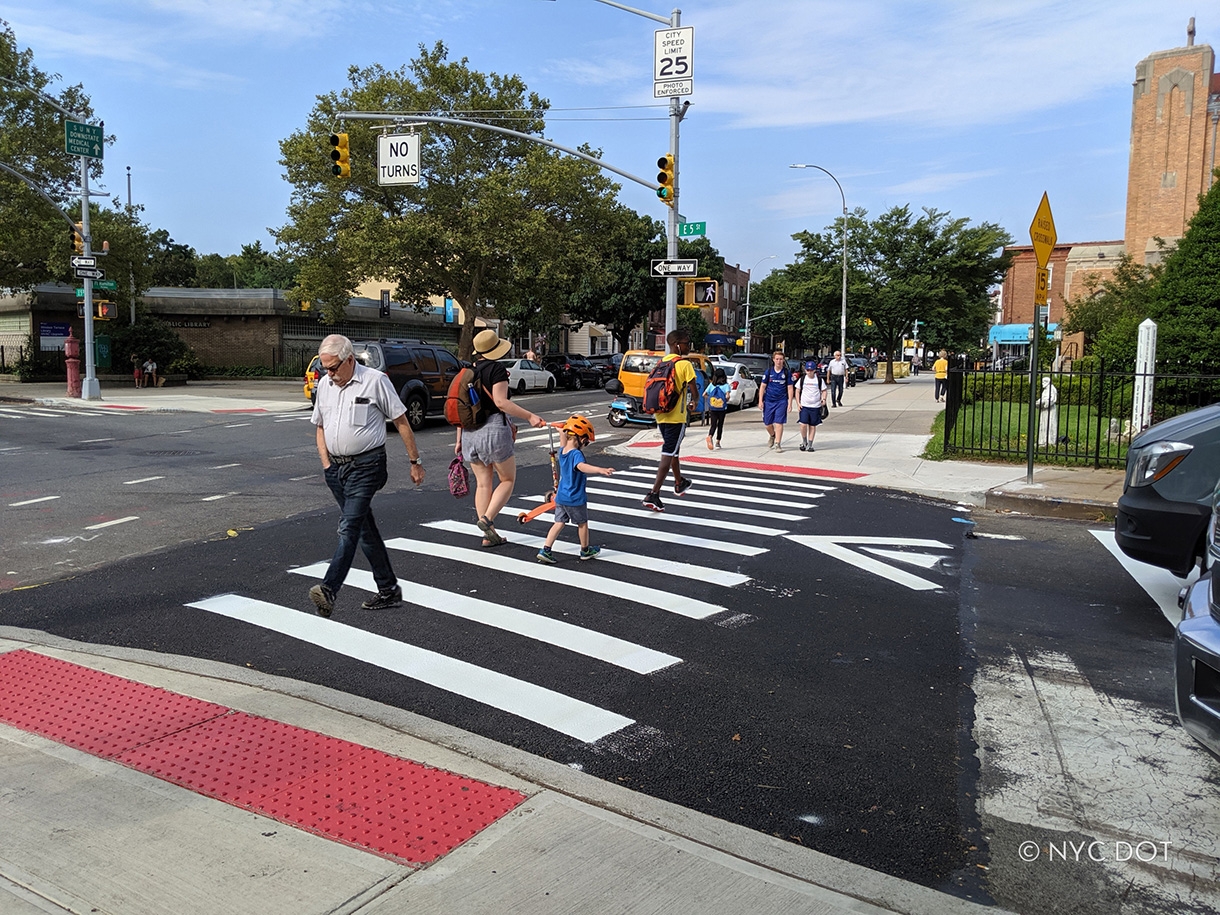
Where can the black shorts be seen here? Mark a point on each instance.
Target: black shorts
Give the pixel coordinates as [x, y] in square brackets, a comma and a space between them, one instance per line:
[671, 438]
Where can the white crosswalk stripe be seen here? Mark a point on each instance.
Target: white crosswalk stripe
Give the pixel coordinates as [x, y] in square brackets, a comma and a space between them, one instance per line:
[668, 517]
[618, 480]
[616, 557]
[652, 597]
[652, 533]
[556, 711]
[595, 645]
[738, 482]
[735, 476]
[698, 503]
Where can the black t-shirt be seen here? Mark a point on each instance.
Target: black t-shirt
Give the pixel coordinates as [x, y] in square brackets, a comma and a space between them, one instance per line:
[489, 373]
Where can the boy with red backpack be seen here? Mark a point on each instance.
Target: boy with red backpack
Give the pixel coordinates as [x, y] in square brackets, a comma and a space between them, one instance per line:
[671, 421]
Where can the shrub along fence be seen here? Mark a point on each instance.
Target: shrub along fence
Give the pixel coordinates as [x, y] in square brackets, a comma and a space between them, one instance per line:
[987, 412]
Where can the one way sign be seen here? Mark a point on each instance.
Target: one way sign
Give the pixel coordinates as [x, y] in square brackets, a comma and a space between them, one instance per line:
[676, 267]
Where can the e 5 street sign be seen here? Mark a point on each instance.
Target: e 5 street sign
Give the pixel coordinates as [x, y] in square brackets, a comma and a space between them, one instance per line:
[83, 140]
[689, 229]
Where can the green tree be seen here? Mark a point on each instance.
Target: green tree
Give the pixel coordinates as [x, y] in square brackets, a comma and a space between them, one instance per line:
[494, 218]
[618, 290]
[35, 241]
[173, 264]
[1110, 309]
[902, 268]
[691, 321]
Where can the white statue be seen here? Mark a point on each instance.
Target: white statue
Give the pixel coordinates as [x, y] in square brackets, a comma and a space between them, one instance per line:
[1048, 415]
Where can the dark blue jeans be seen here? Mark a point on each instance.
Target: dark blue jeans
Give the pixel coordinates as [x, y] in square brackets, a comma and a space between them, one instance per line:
[353, 486]
[836, 389]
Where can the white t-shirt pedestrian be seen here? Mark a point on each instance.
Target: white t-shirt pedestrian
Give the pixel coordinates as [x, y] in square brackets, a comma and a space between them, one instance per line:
[837, 366]
[811, 390]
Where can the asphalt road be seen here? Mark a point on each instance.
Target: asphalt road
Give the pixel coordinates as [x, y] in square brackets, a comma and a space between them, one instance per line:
[883, 678]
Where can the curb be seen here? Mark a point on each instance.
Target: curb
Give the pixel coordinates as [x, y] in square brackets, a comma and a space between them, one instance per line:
[1050, 506]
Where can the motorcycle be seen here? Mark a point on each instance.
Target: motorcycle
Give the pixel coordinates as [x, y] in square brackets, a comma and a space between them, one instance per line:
[627, 409]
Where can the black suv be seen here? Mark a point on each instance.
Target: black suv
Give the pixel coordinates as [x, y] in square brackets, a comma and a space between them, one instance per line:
[421, 373]
[573, 371]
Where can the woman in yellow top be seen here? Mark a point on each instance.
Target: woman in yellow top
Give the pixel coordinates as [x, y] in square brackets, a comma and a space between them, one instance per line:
[940, 368]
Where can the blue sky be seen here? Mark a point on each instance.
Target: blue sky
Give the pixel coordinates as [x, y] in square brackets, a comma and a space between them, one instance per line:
[974, 107]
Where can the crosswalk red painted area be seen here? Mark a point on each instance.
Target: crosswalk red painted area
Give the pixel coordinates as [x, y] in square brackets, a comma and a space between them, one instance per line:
[333, 788]
[760, 465]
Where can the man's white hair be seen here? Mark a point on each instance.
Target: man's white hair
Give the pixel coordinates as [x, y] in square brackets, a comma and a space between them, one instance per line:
[336, 345]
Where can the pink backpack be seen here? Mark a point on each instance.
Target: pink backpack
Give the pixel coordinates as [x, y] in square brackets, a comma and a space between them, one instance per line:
[459, 482]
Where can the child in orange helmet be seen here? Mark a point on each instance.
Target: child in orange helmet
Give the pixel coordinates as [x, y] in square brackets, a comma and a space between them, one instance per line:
[571, 503]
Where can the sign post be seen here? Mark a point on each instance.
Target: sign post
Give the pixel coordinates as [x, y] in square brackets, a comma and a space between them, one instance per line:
[1042, 236]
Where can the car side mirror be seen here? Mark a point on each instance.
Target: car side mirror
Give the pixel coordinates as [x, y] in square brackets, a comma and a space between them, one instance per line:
[614, 386]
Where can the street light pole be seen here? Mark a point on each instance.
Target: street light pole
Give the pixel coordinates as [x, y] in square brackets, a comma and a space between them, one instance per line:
[843, 312]
[749, 286]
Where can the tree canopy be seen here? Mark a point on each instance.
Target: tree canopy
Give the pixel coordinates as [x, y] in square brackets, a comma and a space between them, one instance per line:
[495, 219]
[901, 268]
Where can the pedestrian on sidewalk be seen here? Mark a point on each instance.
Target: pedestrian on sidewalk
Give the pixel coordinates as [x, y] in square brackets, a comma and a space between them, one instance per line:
[837, 370]
[571, 501]
[716, 401]
[150, 373]
[940, 369]
[352, 406]
[137, 371]
[916, 364]
[777, 388]
[811, 398]
[672, 423]
[491, 448]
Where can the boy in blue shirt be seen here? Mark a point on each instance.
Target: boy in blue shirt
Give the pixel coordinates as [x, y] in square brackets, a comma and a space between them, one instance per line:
[571, 503]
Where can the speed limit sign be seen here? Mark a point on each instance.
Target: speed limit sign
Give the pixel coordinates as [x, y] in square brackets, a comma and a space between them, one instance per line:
[674, 62]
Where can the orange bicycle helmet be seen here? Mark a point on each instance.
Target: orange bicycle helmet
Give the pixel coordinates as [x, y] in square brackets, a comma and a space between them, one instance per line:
[578, 425]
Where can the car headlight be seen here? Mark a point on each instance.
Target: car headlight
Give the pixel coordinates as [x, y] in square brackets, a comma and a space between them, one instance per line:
[1152, 462]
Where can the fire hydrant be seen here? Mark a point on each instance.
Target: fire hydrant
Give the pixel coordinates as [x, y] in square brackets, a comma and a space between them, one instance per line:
[72, 358]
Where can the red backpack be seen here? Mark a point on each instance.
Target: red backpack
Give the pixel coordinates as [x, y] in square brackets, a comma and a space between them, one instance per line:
[464, 401]
[661, 391]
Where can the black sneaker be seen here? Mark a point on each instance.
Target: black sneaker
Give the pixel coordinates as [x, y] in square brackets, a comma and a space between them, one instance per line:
[680, 488]
[323, 598]
[384, 600]
[653, 501]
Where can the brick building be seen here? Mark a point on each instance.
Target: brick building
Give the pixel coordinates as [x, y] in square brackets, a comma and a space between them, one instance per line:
[1175, 110]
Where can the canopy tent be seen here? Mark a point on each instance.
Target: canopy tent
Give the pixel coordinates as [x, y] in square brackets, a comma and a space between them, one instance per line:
[1012, 334]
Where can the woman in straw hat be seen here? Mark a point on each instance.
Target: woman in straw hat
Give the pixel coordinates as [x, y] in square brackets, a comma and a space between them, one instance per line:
[489, 448]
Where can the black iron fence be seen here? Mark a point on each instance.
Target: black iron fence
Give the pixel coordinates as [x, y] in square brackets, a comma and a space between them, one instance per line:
[1089, 419]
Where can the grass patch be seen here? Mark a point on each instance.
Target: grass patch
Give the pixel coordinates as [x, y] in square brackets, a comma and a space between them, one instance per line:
[934, 450]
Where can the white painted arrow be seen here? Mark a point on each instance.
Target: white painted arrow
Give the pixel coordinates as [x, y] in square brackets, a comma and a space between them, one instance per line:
[834, 547]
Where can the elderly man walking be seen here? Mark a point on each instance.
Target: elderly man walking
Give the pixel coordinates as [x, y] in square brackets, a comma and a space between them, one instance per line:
[836, 370]
[350, 412]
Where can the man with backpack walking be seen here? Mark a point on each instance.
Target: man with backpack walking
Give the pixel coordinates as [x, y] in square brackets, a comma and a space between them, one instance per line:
[665, 396]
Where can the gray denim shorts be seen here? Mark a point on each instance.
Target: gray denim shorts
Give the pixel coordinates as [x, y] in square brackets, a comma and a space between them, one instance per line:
[572, 514]
[491, 443]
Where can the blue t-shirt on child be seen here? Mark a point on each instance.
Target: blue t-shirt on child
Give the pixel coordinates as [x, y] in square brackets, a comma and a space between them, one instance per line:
[571, 481]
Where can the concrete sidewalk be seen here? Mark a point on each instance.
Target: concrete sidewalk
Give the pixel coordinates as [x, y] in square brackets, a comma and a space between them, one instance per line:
[86, 834]
[878, 437]
[271, 395]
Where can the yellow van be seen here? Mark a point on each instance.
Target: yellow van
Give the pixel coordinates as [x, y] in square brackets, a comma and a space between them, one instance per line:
[629, 390]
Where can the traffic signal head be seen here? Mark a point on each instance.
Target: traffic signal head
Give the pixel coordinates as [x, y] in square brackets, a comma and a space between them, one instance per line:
[340, 156]
[78, 238]
[665, 178]
[103, 309]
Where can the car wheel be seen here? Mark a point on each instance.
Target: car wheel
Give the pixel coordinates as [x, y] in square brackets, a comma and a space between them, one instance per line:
[550, 385]
[521, 386]
[576, 383]
[416, 411]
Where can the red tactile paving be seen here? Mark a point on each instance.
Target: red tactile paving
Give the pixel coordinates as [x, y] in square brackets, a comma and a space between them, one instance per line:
[240, 758]
[333, 788]
[93, 711]
[785, 468]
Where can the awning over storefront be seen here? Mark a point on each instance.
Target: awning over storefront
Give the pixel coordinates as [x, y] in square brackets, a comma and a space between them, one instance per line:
[717, 340]
[1012, 333]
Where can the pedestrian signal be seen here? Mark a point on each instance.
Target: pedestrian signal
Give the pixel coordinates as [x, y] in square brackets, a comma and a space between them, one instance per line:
[705, 292]
[340, 155]
[666, 178]
[78, 238]
[103, 310]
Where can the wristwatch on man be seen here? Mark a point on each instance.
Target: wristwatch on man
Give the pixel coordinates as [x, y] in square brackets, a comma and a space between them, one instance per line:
[418, 461]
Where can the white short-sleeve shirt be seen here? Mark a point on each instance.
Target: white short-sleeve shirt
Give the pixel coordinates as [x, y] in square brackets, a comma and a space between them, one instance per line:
[353, 417]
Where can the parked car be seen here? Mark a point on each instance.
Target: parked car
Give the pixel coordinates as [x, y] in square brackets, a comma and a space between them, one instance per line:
[757, 363]
[607, 365]
[313, 375]
[421, 373]
[863, 369]
[1167, 494]
[743, 388]
[527, 375]
[1196, 647]
[572, 370]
